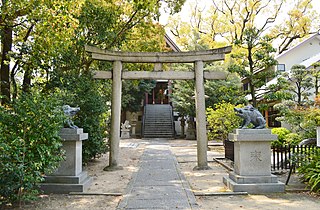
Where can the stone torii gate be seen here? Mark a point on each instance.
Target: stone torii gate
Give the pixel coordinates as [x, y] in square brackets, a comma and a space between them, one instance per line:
[117, 74]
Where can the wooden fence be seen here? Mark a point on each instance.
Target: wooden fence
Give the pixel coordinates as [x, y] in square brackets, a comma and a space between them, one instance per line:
[229, 149]
[285, 157]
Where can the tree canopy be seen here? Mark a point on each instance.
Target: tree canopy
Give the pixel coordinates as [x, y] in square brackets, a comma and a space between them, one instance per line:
[256, 29]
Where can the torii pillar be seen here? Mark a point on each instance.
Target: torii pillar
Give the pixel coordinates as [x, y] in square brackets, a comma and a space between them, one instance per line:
[115, 117]
[202, 138]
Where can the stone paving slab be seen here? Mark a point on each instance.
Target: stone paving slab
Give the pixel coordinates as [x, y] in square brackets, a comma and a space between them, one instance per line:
[157, 204]
[158, 184]
[158, 164]
[155, 192]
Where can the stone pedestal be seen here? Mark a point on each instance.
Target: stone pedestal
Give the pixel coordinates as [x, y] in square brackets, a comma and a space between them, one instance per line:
[182, 125]
[125, 134]
[252, 162]
[191, 131]
[133, 129]
[69, 177]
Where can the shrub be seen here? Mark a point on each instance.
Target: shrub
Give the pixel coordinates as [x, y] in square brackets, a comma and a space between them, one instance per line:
[310, 171]
[292, 139]
[301, 119]
[90, 95]
[30, 145]
[221, 121]
[281, 132]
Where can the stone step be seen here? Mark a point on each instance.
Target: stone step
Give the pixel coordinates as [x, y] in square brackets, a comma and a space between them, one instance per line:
[168, 130]
[158, 136]
[165, 128]
[159, 115]
[158, 124]
[60, 188]
[158, 121]
[157, 131]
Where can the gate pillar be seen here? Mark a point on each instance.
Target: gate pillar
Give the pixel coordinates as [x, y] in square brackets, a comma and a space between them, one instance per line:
[200, 118]
[115, 117]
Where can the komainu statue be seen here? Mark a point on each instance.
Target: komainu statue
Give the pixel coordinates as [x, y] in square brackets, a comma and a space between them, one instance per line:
[70, 112]
[251, 115]
[125, 125]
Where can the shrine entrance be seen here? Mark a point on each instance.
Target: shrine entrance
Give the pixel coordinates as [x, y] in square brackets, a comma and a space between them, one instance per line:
[159, 94]
[117, 74]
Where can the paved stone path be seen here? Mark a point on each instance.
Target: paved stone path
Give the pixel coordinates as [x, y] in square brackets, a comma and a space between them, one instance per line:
[158, 184]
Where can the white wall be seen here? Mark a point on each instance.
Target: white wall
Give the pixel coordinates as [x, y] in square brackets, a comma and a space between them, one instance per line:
[301, 52]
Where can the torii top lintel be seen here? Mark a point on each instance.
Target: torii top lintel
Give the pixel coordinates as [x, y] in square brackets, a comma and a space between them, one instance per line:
[159, 57]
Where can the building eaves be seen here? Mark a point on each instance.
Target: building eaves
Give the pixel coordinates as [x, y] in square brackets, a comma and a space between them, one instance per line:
[171, 43]
[317, 35]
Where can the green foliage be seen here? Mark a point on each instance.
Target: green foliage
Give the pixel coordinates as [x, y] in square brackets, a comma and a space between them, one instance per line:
[92, 117]
[285, 137]
[133, 93]
[228, 90]
[301, 119]
[302, 83]
[252, 53]
[293, 139]
[88, 94]
[222, 120]
[281, 132]
[30, 145]
[42, 31]
[310, 171]
[313, 117]
[182, 100]
[111, 25]
[296, 112]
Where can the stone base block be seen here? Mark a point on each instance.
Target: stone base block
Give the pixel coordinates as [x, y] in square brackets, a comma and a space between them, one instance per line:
[191, 134]
[252, 179]
[254, 188]
[68, 134]
[66, 184]
[125, 134]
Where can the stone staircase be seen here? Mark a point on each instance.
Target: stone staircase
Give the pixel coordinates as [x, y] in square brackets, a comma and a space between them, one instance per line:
[158, 121]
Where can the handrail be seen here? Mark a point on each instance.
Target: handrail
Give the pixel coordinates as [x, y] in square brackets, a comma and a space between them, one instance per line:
[172, 122]
[143, 121]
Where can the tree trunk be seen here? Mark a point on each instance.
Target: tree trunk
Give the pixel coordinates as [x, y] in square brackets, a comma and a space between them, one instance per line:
[299, 96]
[253, 95]
[6, 42]
[14, 84]
[26, 81]
[251, 86]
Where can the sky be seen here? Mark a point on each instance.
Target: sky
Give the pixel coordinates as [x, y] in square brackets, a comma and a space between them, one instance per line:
[185, 9]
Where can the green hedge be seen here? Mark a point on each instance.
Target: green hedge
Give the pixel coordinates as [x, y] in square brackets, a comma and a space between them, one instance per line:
[30, 145]
[90, 95]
